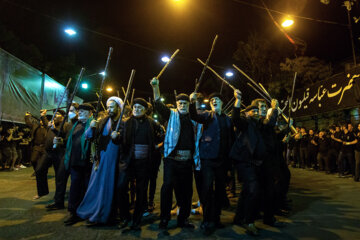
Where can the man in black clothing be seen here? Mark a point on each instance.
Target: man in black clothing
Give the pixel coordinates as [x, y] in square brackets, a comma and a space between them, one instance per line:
[348, 140]
[312, 150]
[322, 156]
[304, 142]
[38, 134]
[62, 172]
[215, 143]
[249, 153]
[335, 148]
[52, 156]
[180, 145]
[77, 160]
[139, 137]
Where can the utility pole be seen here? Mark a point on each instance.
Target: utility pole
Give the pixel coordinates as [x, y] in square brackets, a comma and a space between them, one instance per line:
[348, 4]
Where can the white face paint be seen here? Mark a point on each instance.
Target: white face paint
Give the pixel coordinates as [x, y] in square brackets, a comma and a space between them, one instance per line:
[216, 104]
[72, 112]
[84, 115]
[182, 106]
[262, 109]
[138, 110]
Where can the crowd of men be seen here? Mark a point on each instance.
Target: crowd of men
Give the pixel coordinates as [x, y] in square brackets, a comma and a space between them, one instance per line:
[114, 163]
[333, 150]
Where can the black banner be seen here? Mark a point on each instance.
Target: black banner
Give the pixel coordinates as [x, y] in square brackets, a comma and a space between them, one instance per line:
[338, 92]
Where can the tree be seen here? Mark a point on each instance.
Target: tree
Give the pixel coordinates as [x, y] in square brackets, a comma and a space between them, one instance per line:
[309, 69]
[254, 57]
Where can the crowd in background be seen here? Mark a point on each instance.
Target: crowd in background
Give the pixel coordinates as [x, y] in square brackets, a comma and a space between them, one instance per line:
[332, 150]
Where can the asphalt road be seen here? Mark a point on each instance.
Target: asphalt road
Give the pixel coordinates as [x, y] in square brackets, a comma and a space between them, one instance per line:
[324, 207]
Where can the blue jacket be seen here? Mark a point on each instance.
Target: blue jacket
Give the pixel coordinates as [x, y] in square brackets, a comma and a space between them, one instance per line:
[209, 146]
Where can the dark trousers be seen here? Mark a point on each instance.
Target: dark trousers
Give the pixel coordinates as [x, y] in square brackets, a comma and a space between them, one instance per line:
[303, 157]
[268, 179]
[153, 177]
[213, 174]
[45, 161]
[178, 176]
[139, 172]
[61, 178]
[346, 161]
[322, 161]
[198, 183]
[312, 159]
[249, 197]
[331, 160]
[80, 177]
[36, 153]
[282, 186]
[357, 165]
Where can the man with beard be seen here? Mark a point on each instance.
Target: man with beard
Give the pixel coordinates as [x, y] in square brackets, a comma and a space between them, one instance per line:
[141, 134]
[77, 160]
[215, 143]
[51, 155]
[249, 152]
[180, 147]
[97, 204]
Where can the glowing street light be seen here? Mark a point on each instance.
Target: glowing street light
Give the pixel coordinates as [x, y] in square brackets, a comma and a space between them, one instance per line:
[162, 99]
[229, 74]
[109, 89]
[165, 59]
[287, 23]
[206, 100]
[84, 86]
[102, 73]
[70, 31]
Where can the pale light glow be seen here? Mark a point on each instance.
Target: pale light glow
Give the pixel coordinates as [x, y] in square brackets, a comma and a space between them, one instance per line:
[165, 59]
[162, 99]
[287, 23]
[84, 85]
[52, 85]
[206, 100]
[69, 31]
[109, 89]
[102, 73]
[229, 74]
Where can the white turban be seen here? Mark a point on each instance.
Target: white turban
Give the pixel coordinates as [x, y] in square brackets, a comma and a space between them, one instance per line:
[118, 101]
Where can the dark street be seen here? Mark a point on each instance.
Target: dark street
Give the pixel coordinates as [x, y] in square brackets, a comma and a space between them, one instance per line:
[324, 207]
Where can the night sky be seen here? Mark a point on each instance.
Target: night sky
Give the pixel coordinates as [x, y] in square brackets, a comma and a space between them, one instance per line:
[158, 27]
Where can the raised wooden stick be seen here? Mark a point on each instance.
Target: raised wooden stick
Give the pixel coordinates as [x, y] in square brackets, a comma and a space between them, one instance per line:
[167, 64]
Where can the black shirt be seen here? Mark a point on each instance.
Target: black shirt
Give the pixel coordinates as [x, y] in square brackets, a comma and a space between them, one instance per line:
[186, 139]
[76, 150]
[141, 131]
[223, 134]
[348, 137]
[337, 145]
[323, 144]
[304, 141]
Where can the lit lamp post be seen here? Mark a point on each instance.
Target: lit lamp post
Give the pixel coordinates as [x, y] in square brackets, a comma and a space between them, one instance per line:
[109, 89]
[287, 23]
[70, 32]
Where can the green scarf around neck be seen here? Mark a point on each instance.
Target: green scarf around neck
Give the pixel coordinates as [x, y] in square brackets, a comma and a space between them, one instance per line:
[84, 144]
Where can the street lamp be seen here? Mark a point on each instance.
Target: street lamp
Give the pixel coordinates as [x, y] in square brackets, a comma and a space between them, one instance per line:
[165, 59]
[287, 23]
[102, 73]
[229, 74]
[70, 31]
[109, 89]
[84, 86]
